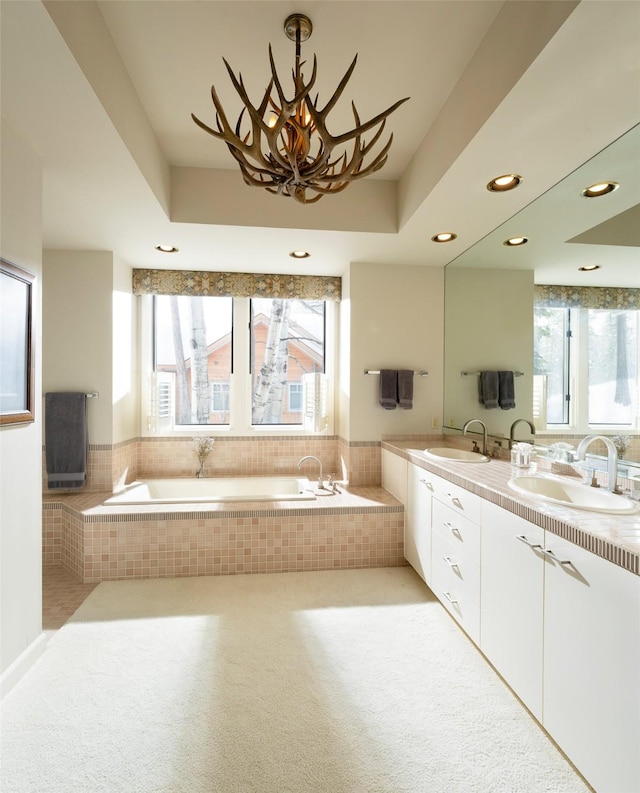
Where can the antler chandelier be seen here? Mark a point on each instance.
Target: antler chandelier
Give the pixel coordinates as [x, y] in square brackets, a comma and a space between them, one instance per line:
[288, 149]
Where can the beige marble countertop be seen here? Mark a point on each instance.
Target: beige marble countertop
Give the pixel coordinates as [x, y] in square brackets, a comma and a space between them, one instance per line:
[613, 537]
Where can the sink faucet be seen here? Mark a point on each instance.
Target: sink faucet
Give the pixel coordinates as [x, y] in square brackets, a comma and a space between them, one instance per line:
[311, 457]
[612, 459]
[513, 426]
[484, 432]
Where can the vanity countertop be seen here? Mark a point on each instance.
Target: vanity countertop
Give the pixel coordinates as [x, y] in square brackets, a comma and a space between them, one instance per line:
[613, 537]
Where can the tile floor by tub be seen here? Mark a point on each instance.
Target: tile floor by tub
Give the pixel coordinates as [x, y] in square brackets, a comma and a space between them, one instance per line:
[62, 594]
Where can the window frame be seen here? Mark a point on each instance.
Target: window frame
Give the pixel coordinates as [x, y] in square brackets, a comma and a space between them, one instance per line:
[239, 381]
[576, 378]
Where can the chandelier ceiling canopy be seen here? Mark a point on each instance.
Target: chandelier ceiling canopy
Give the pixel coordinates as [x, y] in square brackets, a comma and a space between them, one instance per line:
[285, 146]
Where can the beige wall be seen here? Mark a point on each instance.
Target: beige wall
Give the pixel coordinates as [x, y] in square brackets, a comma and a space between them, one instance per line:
[21, 446]
[489, 325]
[395, 322]
[78, 329]
[125, 352]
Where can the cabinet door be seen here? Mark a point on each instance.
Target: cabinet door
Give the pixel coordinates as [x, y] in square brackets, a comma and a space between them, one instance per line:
[592, 665]
[394, 475]
[417, 521]
[511, 601]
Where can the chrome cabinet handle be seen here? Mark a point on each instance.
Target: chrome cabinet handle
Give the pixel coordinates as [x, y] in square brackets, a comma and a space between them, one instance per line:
[452, 528]
[454, 499]
[450, 562]
[451, 600]
[426, 484]
[523, 539]
[552, 555]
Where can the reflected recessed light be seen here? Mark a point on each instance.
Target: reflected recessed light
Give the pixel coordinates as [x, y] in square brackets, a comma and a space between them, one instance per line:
[166, 248]
[513, 242]
[502, 183]
[600, 188]
[444, 236]
[299, 254]
[586, 268]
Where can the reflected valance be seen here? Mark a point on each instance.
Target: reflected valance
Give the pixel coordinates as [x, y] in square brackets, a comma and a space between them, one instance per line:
[603, 297]
[196, 282]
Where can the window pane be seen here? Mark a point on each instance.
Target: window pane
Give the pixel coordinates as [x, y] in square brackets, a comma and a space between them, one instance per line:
[613, 376]
[551, 360]
[193, 352]
[287, 341]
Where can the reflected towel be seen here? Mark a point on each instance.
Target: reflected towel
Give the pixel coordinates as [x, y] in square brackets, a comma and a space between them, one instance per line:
[66, 440]
[389, 388]
[405, 388]
[489, 389]
[506, 390]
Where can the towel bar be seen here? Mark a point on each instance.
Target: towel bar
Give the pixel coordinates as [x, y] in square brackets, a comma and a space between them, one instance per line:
[93, 395]
[469, 374]
[377, 371]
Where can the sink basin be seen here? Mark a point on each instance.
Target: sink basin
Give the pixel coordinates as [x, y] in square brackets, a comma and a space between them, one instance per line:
[455, 455]
[556, 490]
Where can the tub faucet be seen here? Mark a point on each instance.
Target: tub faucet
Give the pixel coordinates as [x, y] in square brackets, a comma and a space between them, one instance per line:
[311, 457]
[612, 459]
[513, 426]
[484, 432]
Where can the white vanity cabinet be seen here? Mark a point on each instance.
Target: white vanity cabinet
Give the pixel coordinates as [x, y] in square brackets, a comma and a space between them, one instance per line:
[455, 553]
[511, 600]
[394, 474]
[417, 521]
[592, 665]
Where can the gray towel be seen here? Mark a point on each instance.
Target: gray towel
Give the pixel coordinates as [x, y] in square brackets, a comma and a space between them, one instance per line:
[389, 388]
[405, 388]
[506, 390]
[489, 389]
[66, 440]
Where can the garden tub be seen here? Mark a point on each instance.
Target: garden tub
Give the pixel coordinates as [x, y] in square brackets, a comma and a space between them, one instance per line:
[213, 490]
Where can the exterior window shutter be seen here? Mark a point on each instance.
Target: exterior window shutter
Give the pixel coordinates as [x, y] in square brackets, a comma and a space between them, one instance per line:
[314, 401]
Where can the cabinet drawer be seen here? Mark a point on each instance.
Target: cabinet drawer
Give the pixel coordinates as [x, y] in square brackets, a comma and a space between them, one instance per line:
[463, 574]
[456, 602]
[459, 531]
[462, 501]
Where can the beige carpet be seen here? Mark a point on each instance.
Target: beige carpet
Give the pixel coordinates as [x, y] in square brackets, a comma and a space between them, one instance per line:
[339, 682]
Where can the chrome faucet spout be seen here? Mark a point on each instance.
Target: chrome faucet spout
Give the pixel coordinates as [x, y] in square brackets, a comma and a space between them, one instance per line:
[513, 426]
[612, 458]
[484, 432]
[311, 457]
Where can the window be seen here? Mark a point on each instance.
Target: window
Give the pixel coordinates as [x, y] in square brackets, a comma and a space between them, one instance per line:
[295, 398]
[236, 363]
[287, 341]
[586, 364]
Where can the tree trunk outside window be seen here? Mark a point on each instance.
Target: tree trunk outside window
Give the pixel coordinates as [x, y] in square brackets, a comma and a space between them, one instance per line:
[199, 364]
[183, 408]
[271, 384]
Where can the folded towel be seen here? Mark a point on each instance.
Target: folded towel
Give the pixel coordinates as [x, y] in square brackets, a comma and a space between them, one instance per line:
[66, 440]
[389, 388]
[506, 390]
[489, 389]
[405, 388]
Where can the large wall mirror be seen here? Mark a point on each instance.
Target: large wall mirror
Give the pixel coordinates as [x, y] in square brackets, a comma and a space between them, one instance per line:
[491, 290]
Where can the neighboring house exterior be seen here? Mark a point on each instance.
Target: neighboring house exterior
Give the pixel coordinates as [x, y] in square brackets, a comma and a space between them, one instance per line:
[305, 355]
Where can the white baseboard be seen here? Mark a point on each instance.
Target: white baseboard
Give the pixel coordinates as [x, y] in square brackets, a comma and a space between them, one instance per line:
[23, 663]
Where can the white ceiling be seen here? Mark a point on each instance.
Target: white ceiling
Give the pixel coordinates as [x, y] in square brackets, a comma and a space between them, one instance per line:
[104, 92]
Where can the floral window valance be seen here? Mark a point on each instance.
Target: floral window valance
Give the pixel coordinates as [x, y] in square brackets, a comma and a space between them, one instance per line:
[194, 282]
[604, 297]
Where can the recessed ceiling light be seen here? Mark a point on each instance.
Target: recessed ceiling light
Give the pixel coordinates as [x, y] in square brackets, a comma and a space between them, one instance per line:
[505, 182]
[513, 242]
[444, 236]
[299, 254]
[600, 188]
[587, 268]
[166, 248]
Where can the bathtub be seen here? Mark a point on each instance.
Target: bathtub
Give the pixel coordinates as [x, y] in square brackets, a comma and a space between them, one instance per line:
[208, 490]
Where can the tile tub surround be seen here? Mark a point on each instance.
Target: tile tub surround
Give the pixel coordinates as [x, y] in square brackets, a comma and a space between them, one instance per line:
[360, 527]
[613, 537]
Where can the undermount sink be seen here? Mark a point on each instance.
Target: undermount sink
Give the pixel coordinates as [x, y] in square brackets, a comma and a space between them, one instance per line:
[455, 455]
[556, 490]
